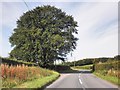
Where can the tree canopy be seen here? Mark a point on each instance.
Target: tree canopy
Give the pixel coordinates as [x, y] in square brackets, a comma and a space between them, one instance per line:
[44, 35]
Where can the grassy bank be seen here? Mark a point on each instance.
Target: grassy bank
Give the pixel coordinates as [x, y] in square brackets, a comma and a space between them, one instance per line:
[112, 79]
[40, 82]
[108, 71]
[21, 75]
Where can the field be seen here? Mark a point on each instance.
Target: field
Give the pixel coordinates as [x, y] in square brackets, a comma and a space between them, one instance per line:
[83, 67]
[12, 76]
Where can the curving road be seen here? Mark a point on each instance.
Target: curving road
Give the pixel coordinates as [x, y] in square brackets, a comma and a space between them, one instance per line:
[84, 80]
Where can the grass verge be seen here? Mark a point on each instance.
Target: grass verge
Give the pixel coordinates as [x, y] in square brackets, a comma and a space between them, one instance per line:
[109, 78]
[39, 83]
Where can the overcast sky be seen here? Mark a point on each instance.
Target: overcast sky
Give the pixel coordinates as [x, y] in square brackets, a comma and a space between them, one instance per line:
[97, 21]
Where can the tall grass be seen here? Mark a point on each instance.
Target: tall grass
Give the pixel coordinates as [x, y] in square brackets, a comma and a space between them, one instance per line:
[108, 68]
[109, 71]
[15, 75]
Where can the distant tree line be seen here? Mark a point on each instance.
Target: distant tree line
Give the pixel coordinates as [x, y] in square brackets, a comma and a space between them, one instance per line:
[92, 61]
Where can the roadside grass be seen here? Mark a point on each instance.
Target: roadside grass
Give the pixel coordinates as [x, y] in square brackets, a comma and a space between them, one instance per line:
[13, 76]
[112, 79]
[89, 67]
[40, 82]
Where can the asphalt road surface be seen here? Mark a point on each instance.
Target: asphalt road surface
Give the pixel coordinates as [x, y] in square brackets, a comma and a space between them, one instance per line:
[84, 79]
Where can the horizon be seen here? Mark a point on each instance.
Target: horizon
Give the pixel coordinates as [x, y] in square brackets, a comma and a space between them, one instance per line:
[92, 58]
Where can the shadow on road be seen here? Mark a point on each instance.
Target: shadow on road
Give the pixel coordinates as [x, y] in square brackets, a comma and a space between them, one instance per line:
[85, 71]
[69, 71]
[75, 71]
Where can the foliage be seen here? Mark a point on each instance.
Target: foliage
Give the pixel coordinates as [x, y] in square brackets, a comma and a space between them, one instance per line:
[15, 75]
[117, 57]
[44, 35]
[110, 68]
[80, 62]
[110, 78]
[10, 61]
[57, 67]
[40, 82]
[108, 65]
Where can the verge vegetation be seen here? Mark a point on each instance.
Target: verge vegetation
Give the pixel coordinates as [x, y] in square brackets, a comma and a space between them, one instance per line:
[11, 61]
[12, 76]
[109, 71]
[39, 82]
[105, 68]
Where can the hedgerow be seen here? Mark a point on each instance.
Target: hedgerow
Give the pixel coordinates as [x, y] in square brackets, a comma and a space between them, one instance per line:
[16, 62]
[109, 68]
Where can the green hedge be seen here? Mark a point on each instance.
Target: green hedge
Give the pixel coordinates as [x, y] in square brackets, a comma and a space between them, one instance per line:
[61, 67]
[107, 66]
[57, 67]
[16, 62]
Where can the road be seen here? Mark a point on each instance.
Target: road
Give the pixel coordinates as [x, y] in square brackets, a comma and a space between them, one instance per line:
[84, 79]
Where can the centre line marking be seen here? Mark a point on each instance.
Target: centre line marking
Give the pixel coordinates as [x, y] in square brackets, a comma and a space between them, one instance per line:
[80, 81]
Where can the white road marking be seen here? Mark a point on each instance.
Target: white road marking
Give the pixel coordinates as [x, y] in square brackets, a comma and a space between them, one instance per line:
[80, 81]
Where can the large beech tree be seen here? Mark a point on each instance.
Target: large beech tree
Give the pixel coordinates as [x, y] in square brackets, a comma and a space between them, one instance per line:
[44, 35]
